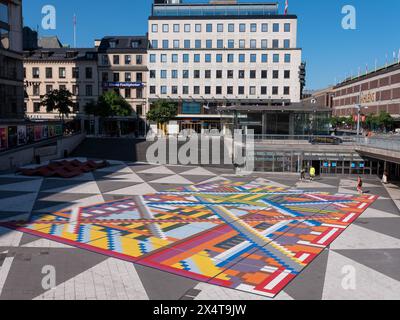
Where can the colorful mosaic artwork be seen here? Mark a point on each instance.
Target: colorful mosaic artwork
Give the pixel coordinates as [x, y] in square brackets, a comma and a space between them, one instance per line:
[245, 236]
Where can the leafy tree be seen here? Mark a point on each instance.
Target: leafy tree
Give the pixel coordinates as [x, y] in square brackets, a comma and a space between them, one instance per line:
[335, 121]
[60, 101]
[371, 121]
[384, 120]
[349, 121]
[109, 105]
[162, 112]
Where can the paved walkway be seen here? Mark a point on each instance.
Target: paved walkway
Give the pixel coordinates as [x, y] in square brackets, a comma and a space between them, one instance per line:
[361, 264]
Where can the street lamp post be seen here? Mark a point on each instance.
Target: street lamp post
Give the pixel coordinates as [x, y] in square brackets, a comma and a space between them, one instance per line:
[358, 107]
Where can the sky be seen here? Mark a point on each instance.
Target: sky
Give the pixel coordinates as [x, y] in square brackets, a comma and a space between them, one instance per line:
[331, 52]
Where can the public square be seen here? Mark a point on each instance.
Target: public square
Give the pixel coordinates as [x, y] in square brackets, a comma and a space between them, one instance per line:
[360, 261]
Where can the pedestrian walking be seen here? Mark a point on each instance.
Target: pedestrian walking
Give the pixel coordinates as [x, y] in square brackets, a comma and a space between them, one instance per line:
[359, 186]
[385, 177]
[303, 174]
[312, 173]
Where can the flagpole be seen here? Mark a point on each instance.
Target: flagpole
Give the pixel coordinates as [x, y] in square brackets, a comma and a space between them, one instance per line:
[74, 30]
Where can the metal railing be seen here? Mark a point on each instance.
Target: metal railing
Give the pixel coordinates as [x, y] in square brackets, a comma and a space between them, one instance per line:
[391, 143]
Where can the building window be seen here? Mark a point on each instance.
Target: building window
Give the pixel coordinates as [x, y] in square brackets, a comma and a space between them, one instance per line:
[154, 44]
[174, 58]
[264, 44]
[241, 90]
[253, 74]
[253, 58]
[207, 90]
[275, 27]
[253, 27]
[164, 58]
[220, 27]
[264, 74]
[186, 44]
[264, 27]
[287, 74]
[35, 73]
[231, 44]
[139, 59]
[196, 58]
[174, 89]
[242, 27]
[252, 91]
[229, 74]
[36, 90]
[165, 28]
[104, 76]
[185, 74]
[208, 58]
[62, 73]
[89, 73]
[75, 90]
[276, 58]
[196, 90]
[230, 58]
[264, 91]
[275, 91]
[165, 44]
[209, 27]
[154, 28]
[62, 87]
[241, 74]
[287, 27]
[116, 76]
[197, 27]
[89, 90]
[286, 44]
[207, 74]
[152, 89]
[242, 44]
[197, 44]
[163, 74]
[139, 110]
[242, 58]
[196, 74]
[218, 90]
[152, 58]
[139, 93]
[128, 77]
[220, 44]
[219, 58]
[176, 44]
[36, 107]
[176, 28]
[275, 44]
[286, 91]
[229, 90]
[264, 58]
[231, 27]
[218, 74]
[116, 59]
[174, 74]
[275, 74]
[185, 90]
[253, 44]
[49, 73]
[209, 44]
[128, 93]
[288, 58]
[104, 60]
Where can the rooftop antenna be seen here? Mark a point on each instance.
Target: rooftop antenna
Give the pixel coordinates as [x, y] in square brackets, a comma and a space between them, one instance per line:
[74, 22]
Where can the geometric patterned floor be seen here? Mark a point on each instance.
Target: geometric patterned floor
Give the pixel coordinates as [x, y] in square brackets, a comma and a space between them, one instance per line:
[217, 232]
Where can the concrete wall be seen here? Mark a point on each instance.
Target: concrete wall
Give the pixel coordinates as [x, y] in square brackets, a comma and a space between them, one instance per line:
[50, 151]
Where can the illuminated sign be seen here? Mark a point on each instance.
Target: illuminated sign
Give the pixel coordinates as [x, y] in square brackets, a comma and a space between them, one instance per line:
[123, 84]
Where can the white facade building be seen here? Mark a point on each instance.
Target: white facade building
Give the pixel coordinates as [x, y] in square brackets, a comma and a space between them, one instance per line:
[207, 56]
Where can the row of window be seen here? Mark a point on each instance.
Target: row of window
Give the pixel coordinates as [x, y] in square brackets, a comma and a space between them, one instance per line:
[221, 44]
[75, 89]
[127, 76]
[197, 74]
[220, 58]
[105, 60]
[230, 90]
[220, 27]
[62, 73]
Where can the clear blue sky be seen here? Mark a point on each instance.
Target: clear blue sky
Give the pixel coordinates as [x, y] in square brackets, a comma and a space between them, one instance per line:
[330, 51]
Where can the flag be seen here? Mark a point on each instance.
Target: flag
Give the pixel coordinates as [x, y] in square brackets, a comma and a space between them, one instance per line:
[286, 7]
[366, 68]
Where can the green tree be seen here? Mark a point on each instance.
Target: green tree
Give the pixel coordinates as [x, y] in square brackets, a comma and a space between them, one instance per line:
[335, 121]
[349, 121]
[371, 121]
[109, 105]
[385, 120]
[162, 112]
[59, 101]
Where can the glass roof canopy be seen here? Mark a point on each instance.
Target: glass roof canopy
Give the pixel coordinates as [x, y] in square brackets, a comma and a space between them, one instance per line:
[197, 10]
